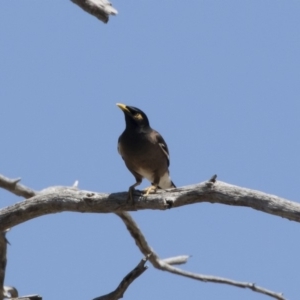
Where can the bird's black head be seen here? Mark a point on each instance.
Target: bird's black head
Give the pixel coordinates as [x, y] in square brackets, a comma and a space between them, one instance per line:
[134, 117]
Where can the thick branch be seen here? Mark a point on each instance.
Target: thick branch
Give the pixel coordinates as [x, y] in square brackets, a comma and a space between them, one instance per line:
[101, 9]
[164, 266]
[60, 199]
[128, 279]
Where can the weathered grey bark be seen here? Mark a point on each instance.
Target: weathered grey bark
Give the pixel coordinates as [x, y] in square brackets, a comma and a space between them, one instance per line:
[29, 297]
[165, 264]
[101, 9]
[59, 199]
[13, 185]
[10, 292]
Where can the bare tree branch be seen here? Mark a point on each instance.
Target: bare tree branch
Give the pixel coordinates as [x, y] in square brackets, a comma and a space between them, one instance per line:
[13, 185]
[3, 260]
[176, 260]
[138, 237]
[101, 9]
[128, 279]
[214, 279]
[29, 297]
[164, 266]
[60, 199]
[10, 292]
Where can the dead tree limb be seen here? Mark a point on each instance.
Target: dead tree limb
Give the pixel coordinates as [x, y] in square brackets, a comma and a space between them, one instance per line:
[60, 199]
[29, 297]
[3, 260]
[10, 292]
[101, 9]
[127, 280]
[13, 185]
[161, 264]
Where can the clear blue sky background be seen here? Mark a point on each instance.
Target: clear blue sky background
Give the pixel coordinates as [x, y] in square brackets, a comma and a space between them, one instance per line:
[220, 80]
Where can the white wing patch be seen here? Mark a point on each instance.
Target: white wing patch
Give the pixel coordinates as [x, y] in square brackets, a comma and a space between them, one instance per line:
[164, 149]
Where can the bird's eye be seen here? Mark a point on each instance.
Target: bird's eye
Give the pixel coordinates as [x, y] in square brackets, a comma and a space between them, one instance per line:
[138, 116]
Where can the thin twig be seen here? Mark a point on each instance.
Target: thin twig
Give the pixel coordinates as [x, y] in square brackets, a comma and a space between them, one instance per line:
[163, 265]
[127, 280]
[15, 187]
[214, 279]
[3, 260]
[176, 260]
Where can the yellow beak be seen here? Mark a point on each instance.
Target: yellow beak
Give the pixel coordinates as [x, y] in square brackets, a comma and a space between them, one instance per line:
[123, 107]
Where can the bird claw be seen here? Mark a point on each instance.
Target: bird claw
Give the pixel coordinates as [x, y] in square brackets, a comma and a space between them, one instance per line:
[149, 190]
[130, 199]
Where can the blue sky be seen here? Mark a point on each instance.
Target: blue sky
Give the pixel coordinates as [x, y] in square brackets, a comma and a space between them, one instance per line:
[220, 80]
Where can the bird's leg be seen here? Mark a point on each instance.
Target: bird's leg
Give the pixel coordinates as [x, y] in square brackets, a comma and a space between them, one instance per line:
[131, 191]
[150, 190]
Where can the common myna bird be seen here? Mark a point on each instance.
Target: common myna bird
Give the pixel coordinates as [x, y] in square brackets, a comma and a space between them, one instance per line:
[144, 151]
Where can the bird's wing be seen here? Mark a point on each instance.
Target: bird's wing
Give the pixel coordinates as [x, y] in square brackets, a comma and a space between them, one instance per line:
[163, 145]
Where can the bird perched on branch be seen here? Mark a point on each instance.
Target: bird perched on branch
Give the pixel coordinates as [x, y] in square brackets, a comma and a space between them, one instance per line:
[144, 152]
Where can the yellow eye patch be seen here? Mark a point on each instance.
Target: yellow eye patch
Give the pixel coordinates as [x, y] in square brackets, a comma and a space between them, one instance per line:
[138, 116]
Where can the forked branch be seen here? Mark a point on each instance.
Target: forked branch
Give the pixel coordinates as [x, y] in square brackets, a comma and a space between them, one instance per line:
[60, 199]
[164, 264]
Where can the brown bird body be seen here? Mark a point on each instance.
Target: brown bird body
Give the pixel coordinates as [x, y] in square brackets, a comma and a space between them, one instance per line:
[144, 151]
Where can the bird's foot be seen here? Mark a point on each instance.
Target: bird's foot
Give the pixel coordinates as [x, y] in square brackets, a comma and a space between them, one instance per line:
[130, 198]
[149, 190]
